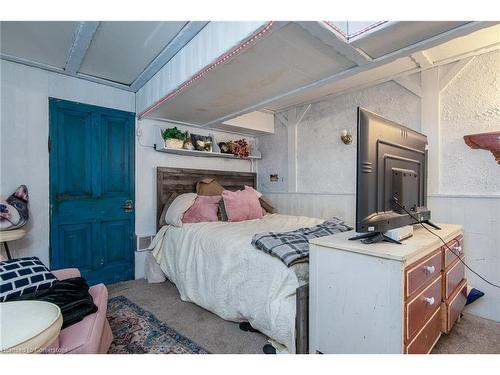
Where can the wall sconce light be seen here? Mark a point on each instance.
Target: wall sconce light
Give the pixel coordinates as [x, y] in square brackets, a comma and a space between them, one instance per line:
[346, 137]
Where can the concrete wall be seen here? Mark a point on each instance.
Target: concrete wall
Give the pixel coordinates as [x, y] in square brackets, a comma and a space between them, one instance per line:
[470, 104]
[147, 159]
[24, 130]
[469, 183]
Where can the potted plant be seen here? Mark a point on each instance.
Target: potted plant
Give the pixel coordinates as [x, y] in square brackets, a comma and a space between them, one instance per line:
[174, 138]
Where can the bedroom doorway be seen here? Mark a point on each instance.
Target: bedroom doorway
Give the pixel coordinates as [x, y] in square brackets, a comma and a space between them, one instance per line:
[91, 166]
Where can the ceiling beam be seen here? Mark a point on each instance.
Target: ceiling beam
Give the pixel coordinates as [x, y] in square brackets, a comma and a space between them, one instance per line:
[422, 60]
[330, 37]
[188, 32]
[81, 43]
[397, 76]
[54, 69]
[407, 51]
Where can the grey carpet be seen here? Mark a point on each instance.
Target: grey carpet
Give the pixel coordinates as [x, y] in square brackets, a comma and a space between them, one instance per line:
[201, 326]
[470, 335]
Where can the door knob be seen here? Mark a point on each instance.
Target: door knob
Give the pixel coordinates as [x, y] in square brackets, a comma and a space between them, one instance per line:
[128, 206]
[430, 269]
[429, 300]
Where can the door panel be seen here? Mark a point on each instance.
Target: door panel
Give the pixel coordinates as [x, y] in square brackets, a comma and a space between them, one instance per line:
[76, 240]
[115, 235]
[91, 178]
[115, 156]
[74, 142]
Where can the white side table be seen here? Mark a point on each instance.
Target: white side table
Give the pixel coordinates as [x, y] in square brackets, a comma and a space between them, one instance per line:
[11, 235]
[28, 326]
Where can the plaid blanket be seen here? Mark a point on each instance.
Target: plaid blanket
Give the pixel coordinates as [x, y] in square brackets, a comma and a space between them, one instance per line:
[293, 247]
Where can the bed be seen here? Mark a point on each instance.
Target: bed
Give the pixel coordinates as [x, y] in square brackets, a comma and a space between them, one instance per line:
[215, 266]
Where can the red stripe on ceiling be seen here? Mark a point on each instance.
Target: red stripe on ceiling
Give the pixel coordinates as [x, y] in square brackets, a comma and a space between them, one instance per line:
[362, 31]
[335, 28]
[221, 60]
[366, 29]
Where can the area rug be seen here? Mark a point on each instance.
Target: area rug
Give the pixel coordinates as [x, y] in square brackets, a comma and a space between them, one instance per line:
[137, 331]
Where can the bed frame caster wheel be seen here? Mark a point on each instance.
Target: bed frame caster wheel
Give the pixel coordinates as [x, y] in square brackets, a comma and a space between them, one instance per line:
[245, 326]
[269, 349]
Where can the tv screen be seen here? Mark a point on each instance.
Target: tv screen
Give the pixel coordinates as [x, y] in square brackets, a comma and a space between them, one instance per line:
[391, 162]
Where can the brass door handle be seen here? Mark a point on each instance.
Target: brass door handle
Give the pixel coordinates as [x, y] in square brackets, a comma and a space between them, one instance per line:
[128, 206]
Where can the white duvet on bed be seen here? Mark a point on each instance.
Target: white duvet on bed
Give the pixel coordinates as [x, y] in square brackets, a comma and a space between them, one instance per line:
[215, 266]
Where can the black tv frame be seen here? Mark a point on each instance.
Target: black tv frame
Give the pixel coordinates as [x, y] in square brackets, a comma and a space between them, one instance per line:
[391, 159]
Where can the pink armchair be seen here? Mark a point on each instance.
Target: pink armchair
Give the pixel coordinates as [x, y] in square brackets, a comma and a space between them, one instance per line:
[93, 334]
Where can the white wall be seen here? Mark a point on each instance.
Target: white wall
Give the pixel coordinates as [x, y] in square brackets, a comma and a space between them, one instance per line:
[469, 188]
[24, 129]
[146, 161]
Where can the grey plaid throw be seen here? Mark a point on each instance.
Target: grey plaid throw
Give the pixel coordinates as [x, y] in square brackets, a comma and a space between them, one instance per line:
[293, 247]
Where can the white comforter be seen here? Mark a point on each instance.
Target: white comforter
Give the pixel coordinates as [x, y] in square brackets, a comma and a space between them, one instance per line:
[215, 266]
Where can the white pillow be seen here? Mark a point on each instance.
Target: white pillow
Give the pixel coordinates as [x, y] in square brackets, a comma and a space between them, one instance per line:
[178, 207]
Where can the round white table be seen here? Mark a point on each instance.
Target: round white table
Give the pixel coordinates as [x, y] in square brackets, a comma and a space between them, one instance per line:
[28, 326]
[11, 235]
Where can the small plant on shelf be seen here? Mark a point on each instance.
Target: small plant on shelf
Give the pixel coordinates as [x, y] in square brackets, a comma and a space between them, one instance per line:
[174, 138]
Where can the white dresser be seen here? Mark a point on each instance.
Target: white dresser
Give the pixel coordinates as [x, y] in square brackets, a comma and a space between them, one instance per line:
[384, 298]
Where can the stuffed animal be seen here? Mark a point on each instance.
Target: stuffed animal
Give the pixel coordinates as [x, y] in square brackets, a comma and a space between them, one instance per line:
[14, 211]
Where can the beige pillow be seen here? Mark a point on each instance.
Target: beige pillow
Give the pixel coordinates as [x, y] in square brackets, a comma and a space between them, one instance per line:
[167, 204]
[209, 187]
[266, 204]
[178, 207]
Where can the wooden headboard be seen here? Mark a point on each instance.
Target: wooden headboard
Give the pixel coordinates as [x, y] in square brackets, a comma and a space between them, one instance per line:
[183, 180]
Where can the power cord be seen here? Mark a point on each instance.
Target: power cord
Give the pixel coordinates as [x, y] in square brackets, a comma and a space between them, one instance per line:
[139, 137]
[437, 235]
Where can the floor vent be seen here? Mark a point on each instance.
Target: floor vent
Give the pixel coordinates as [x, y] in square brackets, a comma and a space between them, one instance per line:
[143, 242]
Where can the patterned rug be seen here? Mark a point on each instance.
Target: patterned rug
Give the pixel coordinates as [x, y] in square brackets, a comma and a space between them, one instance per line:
[137, 331]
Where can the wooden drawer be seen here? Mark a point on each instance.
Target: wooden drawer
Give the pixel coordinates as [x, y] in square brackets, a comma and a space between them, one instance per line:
[455, 306]
[452, 278]
[457, 247]
[421, 272]
[424, 341]
[419, 309]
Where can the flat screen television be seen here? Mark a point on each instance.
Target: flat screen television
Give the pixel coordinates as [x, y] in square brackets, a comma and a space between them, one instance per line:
[391, 174]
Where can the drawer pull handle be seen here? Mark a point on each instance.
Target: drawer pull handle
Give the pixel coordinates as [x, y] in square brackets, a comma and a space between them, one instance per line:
[429, 300]
[457, 249]
[430, 269]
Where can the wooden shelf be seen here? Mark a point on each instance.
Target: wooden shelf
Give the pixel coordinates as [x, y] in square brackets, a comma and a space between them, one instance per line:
[485, 141]
[204, 154]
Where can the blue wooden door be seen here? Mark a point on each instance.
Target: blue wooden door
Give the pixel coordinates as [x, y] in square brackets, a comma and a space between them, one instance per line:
[92, 190]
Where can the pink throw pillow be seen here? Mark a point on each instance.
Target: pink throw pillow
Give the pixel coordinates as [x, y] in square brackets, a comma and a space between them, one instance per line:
[203, 209]
[258, 194]
[242, 205]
